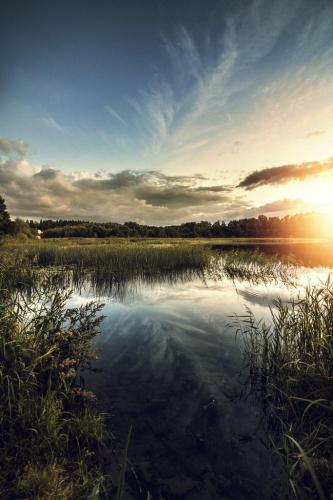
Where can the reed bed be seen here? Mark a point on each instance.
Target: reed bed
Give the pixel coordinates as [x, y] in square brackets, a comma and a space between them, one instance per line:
[253, 266]
[291, 367]
[113, 269]
[121, 261]
[52, 437]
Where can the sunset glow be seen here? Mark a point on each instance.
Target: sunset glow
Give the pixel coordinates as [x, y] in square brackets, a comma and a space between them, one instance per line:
[166, 249]
[176, 105]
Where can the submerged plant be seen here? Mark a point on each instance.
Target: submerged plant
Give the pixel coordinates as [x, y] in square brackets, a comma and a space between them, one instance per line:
[291, 368]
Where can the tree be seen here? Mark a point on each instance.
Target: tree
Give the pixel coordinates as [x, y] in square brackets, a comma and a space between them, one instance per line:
[22, 230]
[5, 222]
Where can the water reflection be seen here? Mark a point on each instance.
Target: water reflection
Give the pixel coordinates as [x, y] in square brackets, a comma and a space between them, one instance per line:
[315, 254]
[171, 367]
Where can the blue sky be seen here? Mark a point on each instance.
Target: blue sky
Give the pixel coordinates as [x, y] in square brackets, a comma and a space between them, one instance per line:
[204, 92]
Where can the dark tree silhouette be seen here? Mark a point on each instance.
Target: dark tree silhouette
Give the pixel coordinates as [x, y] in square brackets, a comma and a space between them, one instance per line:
[307, 225]
[5, 222]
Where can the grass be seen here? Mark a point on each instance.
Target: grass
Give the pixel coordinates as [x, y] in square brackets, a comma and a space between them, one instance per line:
[111, 269]
[254, 267]
[291, 366]
[125, 260]
[115, 269]
[52, 437]
[153, 242]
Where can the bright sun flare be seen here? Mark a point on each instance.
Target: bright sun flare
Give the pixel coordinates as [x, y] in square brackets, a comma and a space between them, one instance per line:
[317, 193]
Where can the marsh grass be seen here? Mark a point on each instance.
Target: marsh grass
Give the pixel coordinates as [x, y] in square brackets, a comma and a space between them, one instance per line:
[291, 367]
[119, 269]
[254, 267]
[116, 261]
[124, 261]
[52, 437]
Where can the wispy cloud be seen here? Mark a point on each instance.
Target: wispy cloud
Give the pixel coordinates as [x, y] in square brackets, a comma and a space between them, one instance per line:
[155, 110]
[116, 115]
[50, 122]
[185, 58]
[218, 82]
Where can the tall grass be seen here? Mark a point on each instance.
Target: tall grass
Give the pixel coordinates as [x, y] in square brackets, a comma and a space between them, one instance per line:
[253, 266]
[291, 366]
[51, 435]
[121, 261]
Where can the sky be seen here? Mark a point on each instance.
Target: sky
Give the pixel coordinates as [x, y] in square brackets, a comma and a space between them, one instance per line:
[165, 111]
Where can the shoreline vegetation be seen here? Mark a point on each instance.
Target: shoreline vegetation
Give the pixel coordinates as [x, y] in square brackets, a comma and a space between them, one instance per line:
[291, 374]
[53, 438]
[56, 443]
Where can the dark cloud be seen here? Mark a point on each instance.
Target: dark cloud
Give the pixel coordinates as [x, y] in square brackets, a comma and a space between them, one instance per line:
[177, 196]
[8, 146]
[155, 188]
[215, 189]
[285, 173]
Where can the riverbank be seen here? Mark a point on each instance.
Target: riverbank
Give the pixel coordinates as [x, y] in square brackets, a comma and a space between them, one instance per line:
[52, 436]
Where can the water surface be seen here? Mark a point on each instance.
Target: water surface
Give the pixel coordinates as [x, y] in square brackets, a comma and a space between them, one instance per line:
[171, 366]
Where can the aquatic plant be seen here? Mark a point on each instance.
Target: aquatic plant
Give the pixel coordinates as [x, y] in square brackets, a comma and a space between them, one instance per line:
[291, 371]
[253, 266]
[121, 261]
[52, 436]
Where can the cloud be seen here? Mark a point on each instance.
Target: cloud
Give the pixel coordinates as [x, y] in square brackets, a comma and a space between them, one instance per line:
[52, 123]
[277, 207]
[285, 173]
[150, 197]
[154, 112]
[218, 82]
[157, 189]
[17, 146]
[114, 113]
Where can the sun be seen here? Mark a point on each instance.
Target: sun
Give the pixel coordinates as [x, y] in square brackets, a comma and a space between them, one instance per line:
[316, 193]
[321, 196]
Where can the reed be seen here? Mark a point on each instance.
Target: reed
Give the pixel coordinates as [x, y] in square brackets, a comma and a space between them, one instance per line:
[52, 437]
[120, 261]
[253, 266]
[291, 368]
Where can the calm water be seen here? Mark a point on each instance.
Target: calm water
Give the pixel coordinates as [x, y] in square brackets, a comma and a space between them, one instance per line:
[171, 366]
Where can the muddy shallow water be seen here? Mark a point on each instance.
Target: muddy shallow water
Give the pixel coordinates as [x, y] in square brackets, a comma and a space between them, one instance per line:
[170, 365]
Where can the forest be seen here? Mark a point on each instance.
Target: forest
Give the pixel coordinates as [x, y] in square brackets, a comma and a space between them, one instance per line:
[308, 225]
[301, 225]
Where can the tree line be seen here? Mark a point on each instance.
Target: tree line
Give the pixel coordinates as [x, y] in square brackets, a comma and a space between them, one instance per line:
[300, 225]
